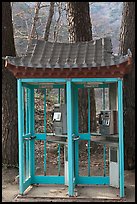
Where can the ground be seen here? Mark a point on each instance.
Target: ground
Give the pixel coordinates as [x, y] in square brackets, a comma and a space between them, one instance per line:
[10, 188]
[10, 182]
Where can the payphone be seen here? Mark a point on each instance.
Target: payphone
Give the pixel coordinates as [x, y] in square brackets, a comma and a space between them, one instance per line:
[60, 120]
[108, 127]
[60, 131]
[108, 122]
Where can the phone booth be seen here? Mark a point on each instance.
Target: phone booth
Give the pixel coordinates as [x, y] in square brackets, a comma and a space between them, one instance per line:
[70, 66]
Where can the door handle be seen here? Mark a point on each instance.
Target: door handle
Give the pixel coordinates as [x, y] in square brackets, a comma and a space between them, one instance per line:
[76, 138]
[30, 138]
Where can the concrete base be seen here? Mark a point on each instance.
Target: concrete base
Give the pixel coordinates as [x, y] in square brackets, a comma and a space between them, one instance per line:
[56, 193]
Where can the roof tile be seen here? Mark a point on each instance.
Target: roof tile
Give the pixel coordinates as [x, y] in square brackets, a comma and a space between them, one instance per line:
[44, 54]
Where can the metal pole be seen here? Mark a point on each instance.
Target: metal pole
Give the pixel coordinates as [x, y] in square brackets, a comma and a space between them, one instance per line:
[70, 143]
[45, 152]
[76, 131]
[32, 142]
[121, 140]
[89, 132]
[104, 105]
[20, 134]
[27, 131]
[59, 144]
[29, 142]
[59, 95]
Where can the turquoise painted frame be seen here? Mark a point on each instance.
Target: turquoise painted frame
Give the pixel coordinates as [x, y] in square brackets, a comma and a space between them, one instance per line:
[121, 138]
[90, 180]
[23, 184]
[70, 142]
[45, 150]
[20, 134]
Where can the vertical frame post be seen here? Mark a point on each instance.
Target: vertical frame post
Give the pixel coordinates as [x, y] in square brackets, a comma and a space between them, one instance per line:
[29, 142]
[59, 144]
[27, 131]
[23, 125]
[20, 134]
[76, 131]
[89, 132]
[104, 105]
[70, 143]
[32, 128]
[27, 116]
[59, 95]
[104, 101]
[121, 140]
[45, 152]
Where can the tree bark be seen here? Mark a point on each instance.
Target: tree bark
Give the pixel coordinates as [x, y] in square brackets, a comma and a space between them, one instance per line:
[33, 31]
[51, 13]
[9, 103]
[80, 29]
[58, 23]
[127, 41]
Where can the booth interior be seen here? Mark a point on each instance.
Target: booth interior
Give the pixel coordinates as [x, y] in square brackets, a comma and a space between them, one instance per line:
[65, 135]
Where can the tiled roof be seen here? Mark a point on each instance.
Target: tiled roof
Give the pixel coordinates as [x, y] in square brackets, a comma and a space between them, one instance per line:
[44, 54]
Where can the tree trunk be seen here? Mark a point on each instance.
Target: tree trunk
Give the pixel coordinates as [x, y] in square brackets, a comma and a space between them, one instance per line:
[9, 105]
[127, 41]
[80, 29]
[51, 13]
[33, 32]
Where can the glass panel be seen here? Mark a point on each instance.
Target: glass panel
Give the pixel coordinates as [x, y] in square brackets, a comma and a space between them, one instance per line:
[39, 110]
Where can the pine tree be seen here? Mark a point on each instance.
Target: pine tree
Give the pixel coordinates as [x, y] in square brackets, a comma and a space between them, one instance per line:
[80, 29]
[127, 39]
[9, 97]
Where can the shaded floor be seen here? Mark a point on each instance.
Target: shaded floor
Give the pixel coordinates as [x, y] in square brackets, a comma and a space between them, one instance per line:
[85, 193]
[54, 193]
[81, 192]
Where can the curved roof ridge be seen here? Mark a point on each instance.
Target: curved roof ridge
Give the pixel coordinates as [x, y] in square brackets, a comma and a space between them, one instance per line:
[43, 54]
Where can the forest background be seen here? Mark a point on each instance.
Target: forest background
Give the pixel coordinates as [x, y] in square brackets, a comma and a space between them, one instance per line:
[29, 21]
